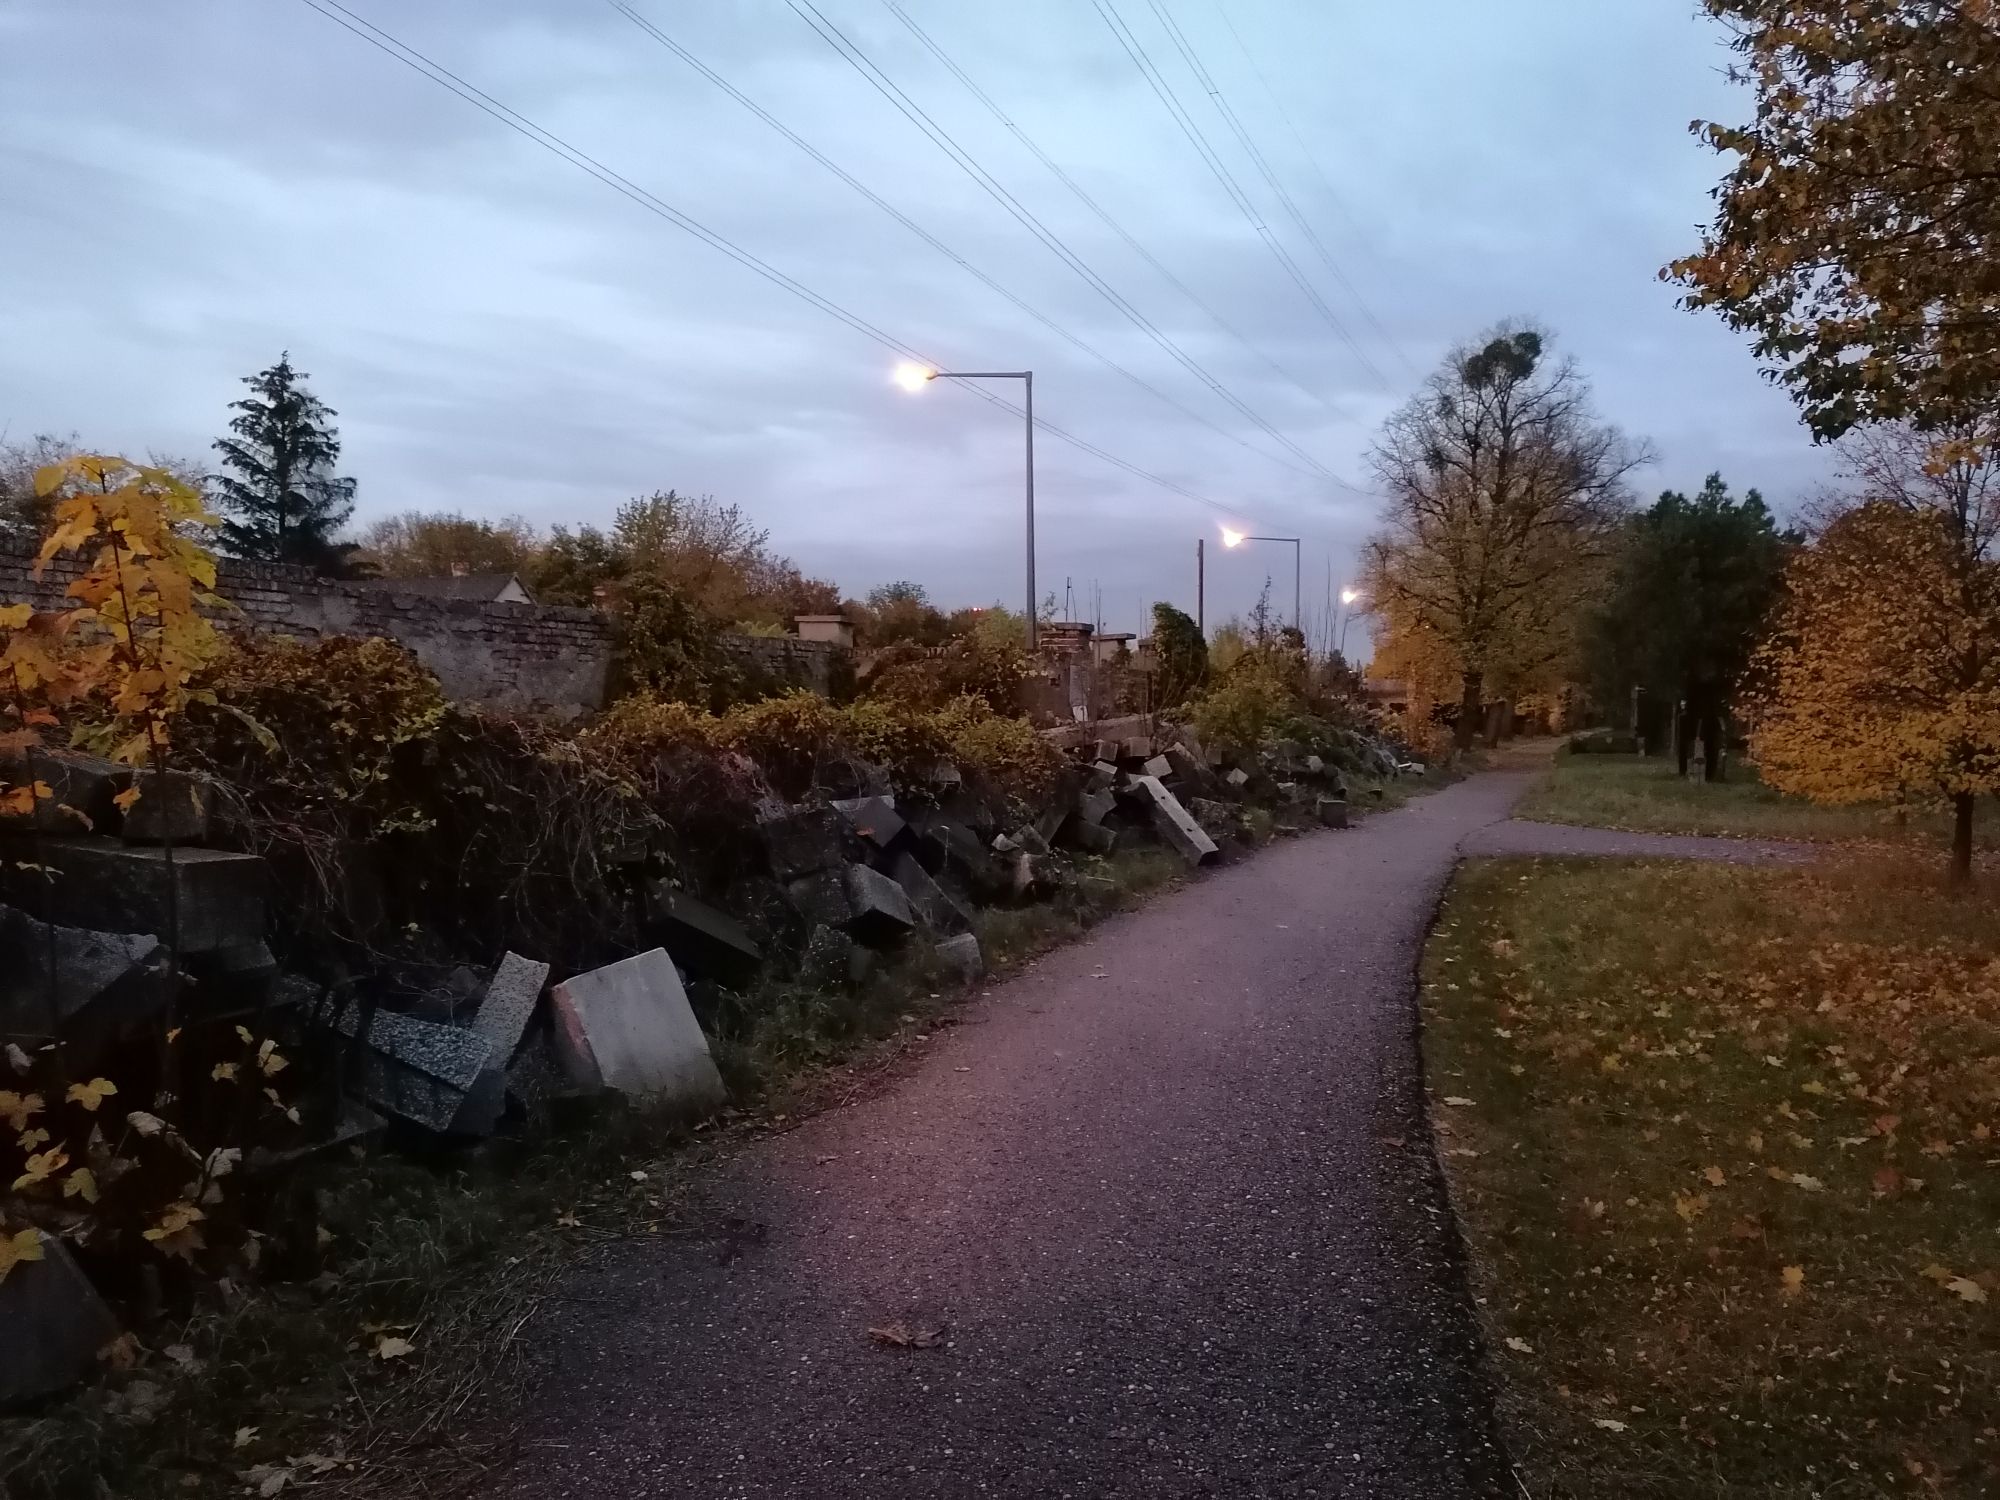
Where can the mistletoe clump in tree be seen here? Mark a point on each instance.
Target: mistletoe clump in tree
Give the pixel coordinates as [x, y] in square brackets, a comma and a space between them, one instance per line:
[284, 502]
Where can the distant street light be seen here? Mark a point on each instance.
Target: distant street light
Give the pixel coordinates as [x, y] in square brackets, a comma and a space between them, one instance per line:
[1236, 539]
[914, 377]
[1348, 597]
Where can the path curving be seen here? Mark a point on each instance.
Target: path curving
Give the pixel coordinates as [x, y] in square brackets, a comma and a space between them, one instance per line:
[1155, 1190]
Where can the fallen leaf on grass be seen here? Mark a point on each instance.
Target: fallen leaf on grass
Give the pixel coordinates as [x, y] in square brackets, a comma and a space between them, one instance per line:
[567, 1219]
[1887, 1181]
[1713, 1176]
[390, 1347]
[1520, 1346]
[900, 1335]
[1966, 1288]
[1792, 1281]
[267, 1479]
[244, 1437]
[1691, 1209]
[1458, 1101]
[1808, 1184]
[1609, 1424]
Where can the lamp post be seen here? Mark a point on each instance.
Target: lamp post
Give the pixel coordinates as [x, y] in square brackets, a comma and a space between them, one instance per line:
[1200, 588]
[1237, 539]
[914, 377]
[1347, 598]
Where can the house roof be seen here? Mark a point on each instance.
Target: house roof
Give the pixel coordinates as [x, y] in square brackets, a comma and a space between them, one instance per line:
[481, 586]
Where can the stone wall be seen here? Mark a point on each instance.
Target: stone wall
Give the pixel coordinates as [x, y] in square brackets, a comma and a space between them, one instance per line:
[515, 657]
[817, 666]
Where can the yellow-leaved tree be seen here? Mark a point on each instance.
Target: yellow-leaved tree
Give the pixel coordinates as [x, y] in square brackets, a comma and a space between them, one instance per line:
[1882, 679]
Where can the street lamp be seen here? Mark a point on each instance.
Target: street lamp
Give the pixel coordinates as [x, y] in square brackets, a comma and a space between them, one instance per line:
[914, 377]
[1348, 597]
[1236, 539]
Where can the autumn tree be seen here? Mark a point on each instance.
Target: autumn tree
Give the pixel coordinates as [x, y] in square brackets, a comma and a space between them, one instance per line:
[281, 500]
[1503, 490]
[1882, 680]
[1693, 583]
[439, 544]
[1857, 233]
[1181, 652]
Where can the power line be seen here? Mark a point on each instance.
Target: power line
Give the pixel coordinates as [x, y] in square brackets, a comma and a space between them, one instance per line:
[925, 235]
[515, 121]
[1136, 50]
[942, 139]
[1249, 144]
[1088, 201]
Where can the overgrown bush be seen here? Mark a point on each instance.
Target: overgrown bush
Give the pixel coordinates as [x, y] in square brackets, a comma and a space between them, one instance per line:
[924, 677]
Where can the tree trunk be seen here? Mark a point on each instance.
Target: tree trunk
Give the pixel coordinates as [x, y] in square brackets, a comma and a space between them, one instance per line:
[1961, 840]
[1496, 722]
[1711, 741]
[1467, 727]
[1683, 741]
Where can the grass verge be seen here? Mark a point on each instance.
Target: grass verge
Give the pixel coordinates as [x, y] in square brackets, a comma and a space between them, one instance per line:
[279, 1388]
[1723, 1144]
[1644, 795]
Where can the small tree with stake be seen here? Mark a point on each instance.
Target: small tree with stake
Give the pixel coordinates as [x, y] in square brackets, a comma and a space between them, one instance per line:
[286, 502]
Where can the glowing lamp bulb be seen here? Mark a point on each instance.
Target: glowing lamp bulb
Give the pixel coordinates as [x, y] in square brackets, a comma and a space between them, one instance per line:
[1231, 538]
[913, 377]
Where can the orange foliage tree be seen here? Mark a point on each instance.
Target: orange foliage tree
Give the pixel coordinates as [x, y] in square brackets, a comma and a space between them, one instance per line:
[1882, 680]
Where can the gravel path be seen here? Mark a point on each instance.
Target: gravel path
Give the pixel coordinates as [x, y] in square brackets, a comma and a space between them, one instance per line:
[1153, 1189]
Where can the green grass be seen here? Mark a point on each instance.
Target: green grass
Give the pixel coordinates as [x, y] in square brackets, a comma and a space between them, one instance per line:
[1674, 1083]
[1644, 795]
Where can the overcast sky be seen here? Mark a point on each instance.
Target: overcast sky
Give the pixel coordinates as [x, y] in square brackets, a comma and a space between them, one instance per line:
[194, 185]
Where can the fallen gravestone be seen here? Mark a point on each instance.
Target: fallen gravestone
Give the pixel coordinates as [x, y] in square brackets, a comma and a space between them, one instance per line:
[101, 979]
[1332, 812]
[507, 1007]
[1176, 827]
[173, 808]
[875, 819]
[879, 913]
[821, 898]
[81, 789]
[628, 1027]
[934, 905]
[704, 939]
[432, 1075]
[52, 1323]
[1091, 838]
[98, 883]
[961, 957]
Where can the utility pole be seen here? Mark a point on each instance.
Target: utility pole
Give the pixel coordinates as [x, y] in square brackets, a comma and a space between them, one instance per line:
[1200, 589]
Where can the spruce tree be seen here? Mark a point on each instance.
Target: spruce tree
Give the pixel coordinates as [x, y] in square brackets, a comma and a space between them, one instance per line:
[283, 501]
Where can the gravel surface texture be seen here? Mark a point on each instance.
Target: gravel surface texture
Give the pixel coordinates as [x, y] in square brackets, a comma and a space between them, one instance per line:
[1166, 1199]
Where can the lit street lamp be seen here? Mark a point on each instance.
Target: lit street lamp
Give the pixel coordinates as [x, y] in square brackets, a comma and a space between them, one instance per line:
[914, 377]
[1236, 539]
[1348, 597]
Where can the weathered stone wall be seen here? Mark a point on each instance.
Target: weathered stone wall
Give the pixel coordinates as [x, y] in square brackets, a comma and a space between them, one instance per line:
[814, 665]
[516, 657]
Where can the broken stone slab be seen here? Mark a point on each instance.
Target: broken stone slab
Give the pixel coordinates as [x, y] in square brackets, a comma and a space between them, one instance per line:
[934, 905]
[1188, 767]
[1332, 812]
[702, 938]
[81, 789]
[803, 841]
[879, 912]
[1315, 766]
[101, 884]
[1136, 747]
[961, 957]
[52, 1323]
[102, 980]
[1160, 766]
[1219, 819]
[508, 1005]
[1028, 837]
[1091, 838]
[443, 1078]
[1106, 752]
[875, 819]
[1176, 827]
[944, 773]
[628, 1027]
[1238, 778]
[1100, 777]
[1095, 806]
[958, 856]
[174, 807]
[1189, 745]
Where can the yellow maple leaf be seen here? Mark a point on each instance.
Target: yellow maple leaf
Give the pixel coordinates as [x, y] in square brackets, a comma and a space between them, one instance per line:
[82, 1183]
[1792, 1281]
[91, 1094]
[1714, 1176]
[390, 1347]
[124, 800]
[223, 1072]
[24, 1245]
[42, 1167]
[16, 1108]
[1966, 1288]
